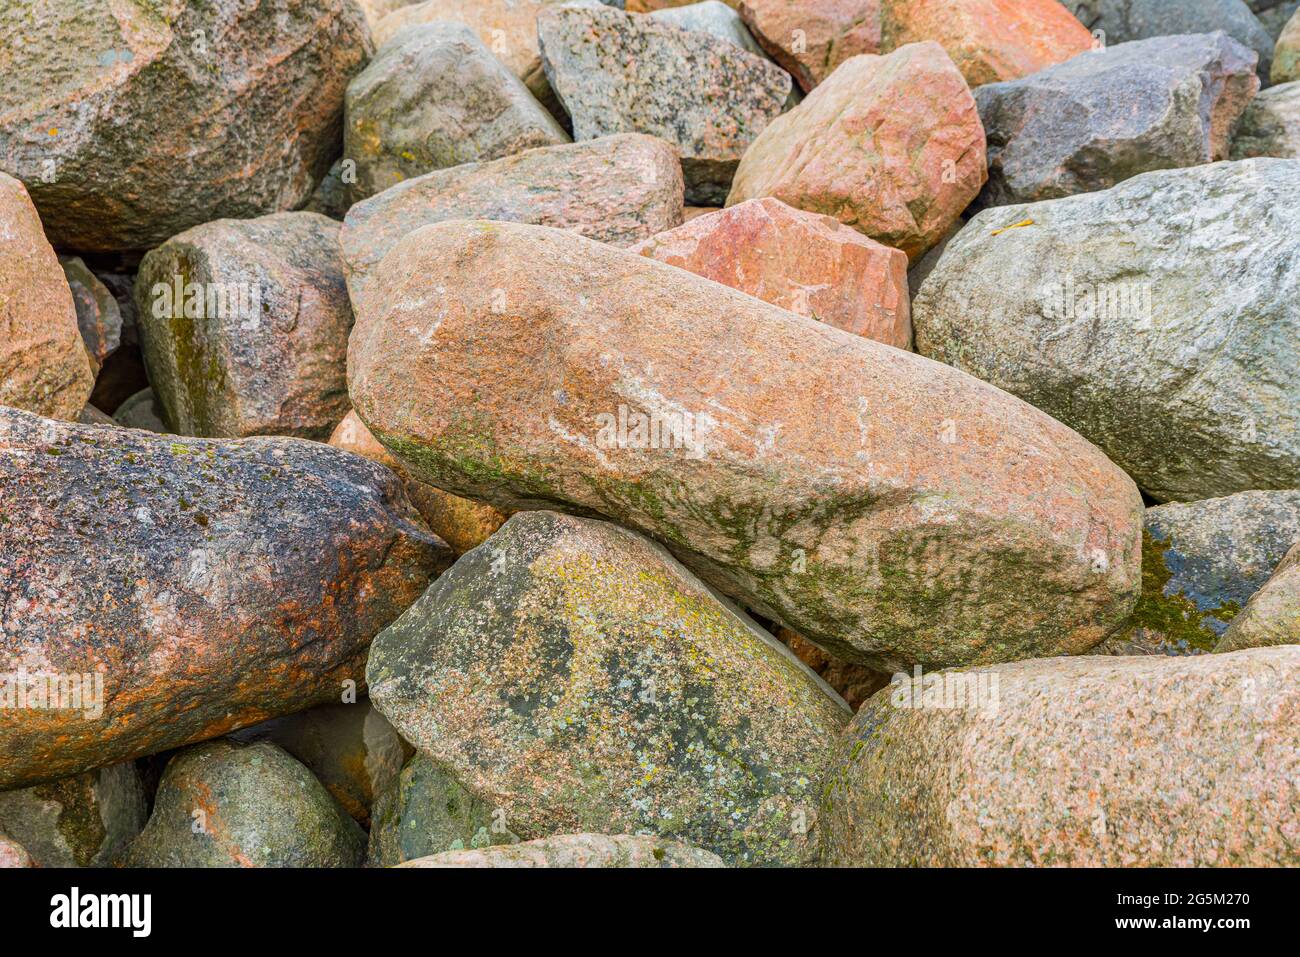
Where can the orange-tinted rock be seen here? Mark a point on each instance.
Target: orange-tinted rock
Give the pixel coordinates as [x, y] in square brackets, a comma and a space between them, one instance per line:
[810, 38]
[989, 40]
[890, 145]
[807, 263]
[98, 314]
[13, 854]
[44, 366]
[854, 683]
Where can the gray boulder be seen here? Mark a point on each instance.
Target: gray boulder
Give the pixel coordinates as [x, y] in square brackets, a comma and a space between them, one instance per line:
[1270, 125]
[142, 410]
[713, 17]
[80, 821]
[1273, 615]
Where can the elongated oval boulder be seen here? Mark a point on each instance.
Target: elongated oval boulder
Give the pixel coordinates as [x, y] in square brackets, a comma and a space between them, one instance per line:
[244, 327]
[810, 38]
[1087, 762]
[891, 146]
[1273, 615]
[223, 804]
[165, 590]
[84, 820]
[617, 189]
[579, 850]
[1109, 311]
[570, 674]
[890, 508]
[132, 122]
[45, 365]
[1271, 125]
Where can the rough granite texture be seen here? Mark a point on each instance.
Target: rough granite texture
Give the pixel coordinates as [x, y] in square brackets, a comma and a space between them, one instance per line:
[1161, 319]
[579, 850]
[211, 584]
[157, 116]
[79, 821]
[572, 675]
[1270, 125]
[891, 146]
[890, 508]
[1086, 762]
[98, 315]
[810, 38]
[1273, 615]
[258, 345]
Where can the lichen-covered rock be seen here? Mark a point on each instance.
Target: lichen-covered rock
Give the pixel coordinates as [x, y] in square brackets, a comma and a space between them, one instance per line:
[617, 189]
[350, 748]
[132, 122]
[13, 854]
[891, 509]
[98, 315]
[434, 96]
[460, 522]
[223, 804]
[1286, 54]
[579, 850]
[810, 38]
[1271, 125]
[1201, 563]
[180, 588]
[46, 368]
[891, 146]
[618, 73]
[1106, 115]
[244, 327]
[1092, 762]
[1110, 312]
[571, 674]
[854, 683]
[989, 40]
[1272, 616]
[80, 821]
[425, 811]
[142, 411]
[804, 262]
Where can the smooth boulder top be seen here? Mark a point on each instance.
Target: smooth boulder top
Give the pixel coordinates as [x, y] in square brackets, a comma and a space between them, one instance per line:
[578, 850]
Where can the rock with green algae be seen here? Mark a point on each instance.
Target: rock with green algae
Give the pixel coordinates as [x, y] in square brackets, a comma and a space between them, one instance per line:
[222, 804]
[1272, 616]
[80, 821]
[425, 811]
[573, 676]
[578, 850]
[1087, 761]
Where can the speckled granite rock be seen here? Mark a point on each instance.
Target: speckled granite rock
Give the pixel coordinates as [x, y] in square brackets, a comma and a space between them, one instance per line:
[810, 38]
[891, 146]
[13, 854]
[98, 316]
[1093, 762]
[1271, 125]
[571, 674]
[223, 804]
[1110, 312]
[208, 584]
[1286, 56]
[714, 17]
[1110, 114]
[46, 367]
[1201, 563]
[617, 189]
[579, 850]
[618, 73]
[434, 96]
[132, 122]
[244, 327]
[426, 811]
[79, 821]
[1272, 617]
[891, 509]
[142, 411]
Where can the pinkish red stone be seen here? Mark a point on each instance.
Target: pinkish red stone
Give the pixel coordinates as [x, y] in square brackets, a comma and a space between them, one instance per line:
[810, 38]
[804, 262]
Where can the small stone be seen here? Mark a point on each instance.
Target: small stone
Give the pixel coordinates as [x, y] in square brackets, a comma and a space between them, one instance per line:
[1270, 125]
[142, 411]
[579, 850]
[1286, 55]
[1272, 616]
[98, 315]
[80, 821]
[810, 38]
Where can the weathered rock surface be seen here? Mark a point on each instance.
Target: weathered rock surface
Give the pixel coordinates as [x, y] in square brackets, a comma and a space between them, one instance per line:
[571, 674]
[579, 850]
[208, 585]
[891, 509]
[1110, 312]
[891, 146]
[142, 411]
[99, 317]
[425, 811]
[1271, 125]
[43, 361]
[460, 522]
[244, 327]
[13, 854]
[1273, 615]
[804, 262]
[222, 804]
[714, 17]
[80, 821]
[1201, 562]
[989, 40]
[434, 96]
[617, 189]
[1286, 55]
[131, 123]
[376, 10]
[1107, 115]
[618, 73]
[1095, 762]
[810, 39]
